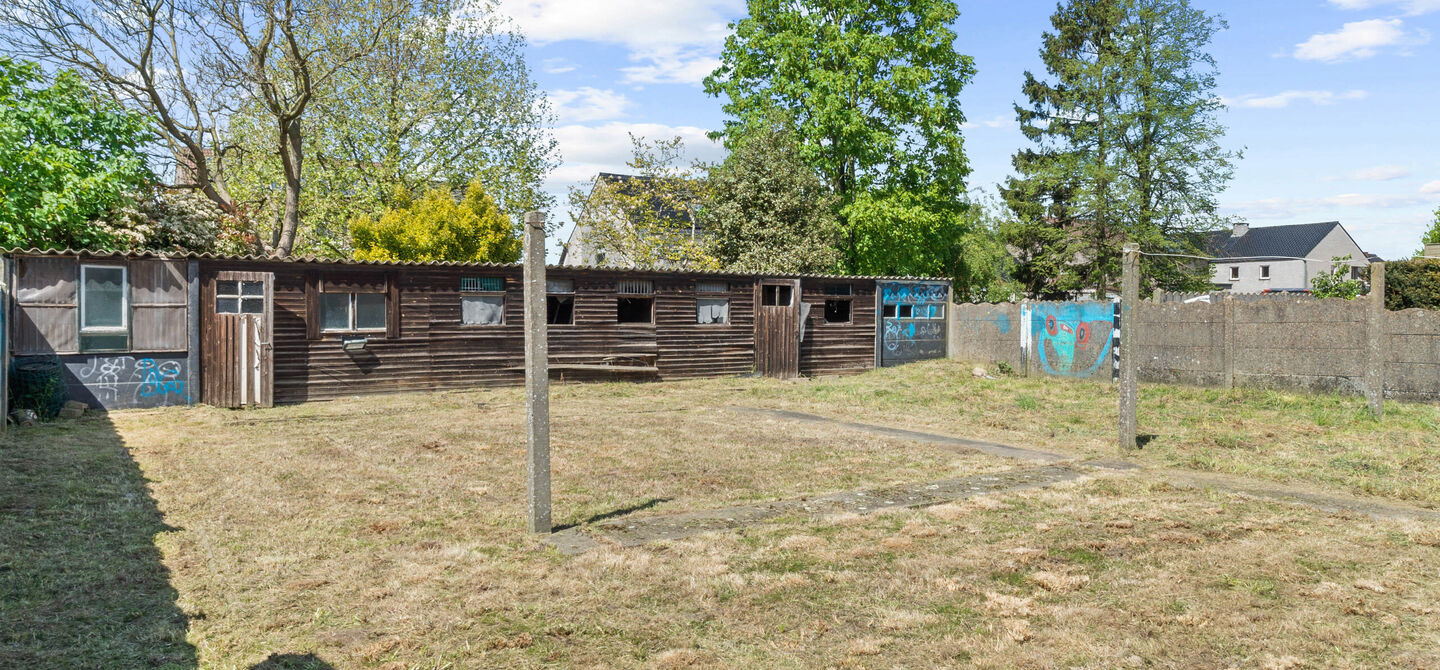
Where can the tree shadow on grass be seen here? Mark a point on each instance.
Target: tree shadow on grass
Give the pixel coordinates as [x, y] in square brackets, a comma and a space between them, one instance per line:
[82, 584]
[615, 512]
[292, 662]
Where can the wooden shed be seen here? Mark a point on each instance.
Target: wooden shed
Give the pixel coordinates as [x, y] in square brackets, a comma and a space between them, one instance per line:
[253, 331]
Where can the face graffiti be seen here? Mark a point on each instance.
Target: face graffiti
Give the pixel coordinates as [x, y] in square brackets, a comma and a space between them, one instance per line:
[1072, 339]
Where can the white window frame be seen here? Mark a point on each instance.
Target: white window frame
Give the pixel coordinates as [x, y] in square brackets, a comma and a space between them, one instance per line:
[124, 326]
[1234, 273]
[351, 310]
[1264, 272]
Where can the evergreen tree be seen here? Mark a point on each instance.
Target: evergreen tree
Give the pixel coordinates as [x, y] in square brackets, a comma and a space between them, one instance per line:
[1126, 146]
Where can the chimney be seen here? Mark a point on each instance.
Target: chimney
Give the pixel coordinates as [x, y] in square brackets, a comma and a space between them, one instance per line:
[1240, 229]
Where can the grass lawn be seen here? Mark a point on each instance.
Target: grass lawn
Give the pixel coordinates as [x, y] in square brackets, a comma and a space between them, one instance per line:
[387, 532]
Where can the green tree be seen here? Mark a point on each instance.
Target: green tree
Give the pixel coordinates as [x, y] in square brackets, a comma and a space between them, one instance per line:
[67, 158]
[648, 219]
[767, 211]
[1431, 236]
[445, 97]
[1336, 282]
[1127, 146]
[874, 92]
[434, 227]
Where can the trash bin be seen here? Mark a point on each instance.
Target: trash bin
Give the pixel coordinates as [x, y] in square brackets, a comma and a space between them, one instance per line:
[38, 386]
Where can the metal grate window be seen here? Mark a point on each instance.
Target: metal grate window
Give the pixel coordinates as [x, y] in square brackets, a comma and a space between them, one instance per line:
[712, 287]
[635, 286]
[479, 284]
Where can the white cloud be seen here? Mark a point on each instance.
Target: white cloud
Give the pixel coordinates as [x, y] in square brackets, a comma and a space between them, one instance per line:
[605, 148]
[1284, 98]
[1377, 173]
[675, 41]
[588, 104]
[1432, 188]
[1001, 121]
[1358, 39]
[556, 66]
[1372, 200]
[1320, 208]
[1411, 7]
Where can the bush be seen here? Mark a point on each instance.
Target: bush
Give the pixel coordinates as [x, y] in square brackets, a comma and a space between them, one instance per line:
[1412, 283]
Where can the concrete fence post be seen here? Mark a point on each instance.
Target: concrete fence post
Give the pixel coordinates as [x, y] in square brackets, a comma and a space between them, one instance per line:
[1375, 341]
[1129, 377]
[1227, 350]
[1025, 337]
[537, 378]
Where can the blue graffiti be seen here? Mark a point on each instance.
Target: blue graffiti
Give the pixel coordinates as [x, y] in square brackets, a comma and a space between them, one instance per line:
[917, 294]
[1072, 339]
[160, 379]
[1002, 322]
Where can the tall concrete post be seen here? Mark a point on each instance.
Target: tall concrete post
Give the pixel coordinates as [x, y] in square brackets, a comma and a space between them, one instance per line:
[1129, 375]
[1375, 341]
[537, 378]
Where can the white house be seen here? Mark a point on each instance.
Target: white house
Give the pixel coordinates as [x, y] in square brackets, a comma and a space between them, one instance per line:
[1252, 260]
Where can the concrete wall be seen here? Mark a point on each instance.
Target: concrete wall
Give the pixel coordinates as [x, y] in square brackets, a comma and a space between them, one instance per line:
[1275, 342]
[1063, 339]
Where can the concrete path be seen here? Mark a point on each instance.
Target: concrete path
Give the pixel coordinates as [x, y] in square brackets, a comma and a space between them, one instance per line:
[633, 532]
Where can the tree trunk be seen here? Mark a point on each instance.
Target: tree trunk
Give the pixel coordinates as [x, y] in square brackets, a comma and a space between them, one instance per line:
[291, 158]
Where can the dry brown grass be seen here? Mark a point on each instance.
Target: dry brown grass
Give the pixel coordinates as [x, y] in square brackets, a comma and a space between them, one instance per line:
[388, 533]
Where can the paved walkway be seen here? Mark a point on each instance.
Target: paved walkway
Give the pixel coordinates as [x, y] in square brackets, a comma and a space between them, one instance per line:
[637, 531]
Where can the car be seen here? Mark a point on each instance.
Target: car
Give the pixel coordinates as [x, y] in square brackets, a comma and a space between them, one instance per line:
[1286, 290]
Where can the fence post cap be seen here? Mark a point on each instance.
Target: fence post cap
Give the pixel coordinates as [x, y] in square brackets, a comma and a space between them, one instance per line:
[536, 219]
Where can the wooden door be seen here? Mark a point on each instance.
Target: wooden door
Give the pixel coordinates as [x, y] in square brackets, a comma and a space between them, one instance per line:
[777, 328]
[237, 313]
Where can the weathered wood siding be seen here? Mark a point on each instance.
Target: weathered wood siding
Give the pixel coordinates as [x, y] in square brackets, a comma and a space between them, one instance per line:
[838, 348]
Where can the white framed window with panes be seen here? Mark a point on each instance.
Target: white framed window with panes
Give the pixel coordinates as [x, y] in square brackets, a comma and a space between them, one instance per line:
[237, 296]
[104, 308]
[352, 312]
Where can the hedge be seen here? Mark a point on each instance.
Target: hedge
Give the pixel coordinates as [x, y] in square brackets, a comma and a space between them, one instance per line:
[1412, 283]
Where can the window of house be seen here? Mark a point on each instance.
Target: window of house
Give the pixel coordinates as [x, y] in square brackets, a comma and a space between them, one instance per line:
[482, 301]
[837, 311]
[1234, 273]
[1264, 271]
[560, 301]
[239, 297]
[890, 311]
[104, 308]
[712, 310]
[776, 296]
[341, 312]
[1357, 272]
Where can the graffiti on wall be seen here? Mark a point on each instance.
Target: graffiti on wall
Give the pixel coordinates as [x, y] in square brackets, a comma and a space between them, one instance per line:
[1071, 339]
[913, 321]
[117, 382]
[911, 293]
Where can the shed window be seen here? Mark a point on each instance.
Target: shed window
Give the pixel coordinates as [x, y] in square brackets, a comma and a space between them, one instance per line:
[239, 297]
[905, 311]
[341, 312]
[712, 287]
[104, 298]
[1234, 273]
[635, 310]
[837, 311]
[712, 310]
[1264, 271]
[776, 296]
[482, 310]
[478, 284]
[839, 289]
[560, 303]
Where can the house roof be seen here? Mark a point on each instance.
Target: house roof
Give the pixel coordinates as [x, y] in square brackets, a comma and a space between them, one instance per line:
[1293, 241]
[316, 260]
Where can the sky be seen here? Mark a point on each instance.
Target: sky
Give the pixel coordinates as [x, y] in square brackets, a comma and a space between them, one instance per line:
[1333, 103]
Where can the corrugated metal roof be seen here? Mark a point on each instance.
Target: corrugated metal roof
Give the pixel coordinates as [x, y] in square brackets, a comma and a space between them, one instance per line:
[463, 264]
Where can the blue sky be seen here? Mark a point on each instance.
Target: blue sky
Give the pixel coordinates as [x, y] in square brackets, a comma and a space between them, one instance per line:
[1334, 102]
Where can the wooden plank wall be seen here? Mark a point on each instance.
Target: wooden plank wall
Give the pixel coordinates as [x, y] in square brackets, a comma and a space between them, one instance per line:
[838, 349]
[435, 350]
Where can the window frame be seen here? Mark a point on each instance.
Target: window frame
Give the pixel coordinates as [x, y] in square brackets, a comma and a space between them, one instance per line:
[481, 293]
[1264, 272]
[352, 313]
[714, 297]
[124, 326]
[560, 295]
[239, 296]
[849, 311]
[622, 297]
[1234, 273]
